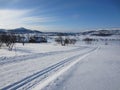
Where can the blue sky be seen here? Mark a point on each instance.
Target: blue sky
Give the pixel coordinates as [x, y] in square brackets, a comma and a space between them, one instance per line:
[60, 15]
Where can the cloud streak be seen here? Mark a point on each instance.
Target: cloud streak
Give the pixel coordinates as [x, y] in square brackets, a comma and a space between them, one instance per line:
[21, 18]
[9, 18]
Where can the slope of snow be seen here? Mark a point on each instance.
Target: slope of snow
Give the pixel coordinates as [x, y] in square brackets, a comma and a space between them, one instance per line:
[14, 74]
[53, 77]
[29, 48]
[98, 71]
[26, 66]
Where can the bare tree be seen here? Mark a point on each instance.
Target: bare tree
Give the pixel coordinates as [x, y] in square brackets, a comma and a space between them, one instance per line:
[60, 39]
[64, 41]
[88, 40]
[8, 40]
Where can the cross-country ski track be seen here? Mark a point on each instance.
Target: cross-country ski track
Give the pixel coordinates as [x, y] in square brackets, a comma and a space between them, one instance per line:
[26, 73]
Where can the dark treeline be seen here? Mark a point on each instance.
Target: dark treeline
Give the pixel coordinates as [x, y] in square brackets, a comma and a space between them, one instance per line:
[9, 39]
[64, 39]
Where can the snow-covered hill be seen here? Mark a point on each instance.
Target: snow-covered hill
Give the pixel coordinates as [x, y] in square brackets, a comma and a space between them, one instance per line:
[49, 65]
[23, 30]
[101, 32]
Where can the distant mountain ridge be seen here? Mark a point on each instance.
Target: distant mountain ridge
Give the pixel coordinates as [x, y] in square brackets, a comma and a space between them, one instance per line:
[20, 31]
[23, 30]
[2, 31]
[101, 32]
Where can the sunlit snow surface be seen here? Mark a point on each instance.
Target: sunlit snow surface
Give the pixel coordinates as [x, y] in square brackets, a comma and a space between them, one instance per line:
[26, 67]
[99, 71]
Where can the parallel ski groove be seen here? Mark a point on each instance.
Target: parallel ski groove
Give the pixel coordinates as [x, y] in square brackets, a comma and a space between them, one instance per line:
[28, 79]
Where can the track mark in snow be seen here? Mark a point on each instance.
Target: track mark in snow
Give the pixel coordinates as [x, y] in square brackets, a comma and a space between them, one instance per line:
[35, 76]
[49, 79]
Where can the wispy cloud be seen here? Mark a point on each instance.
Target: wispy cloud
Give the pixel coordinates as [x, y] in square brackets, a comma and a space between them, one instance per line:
[10, 14]
[21, 18]
[10, 18]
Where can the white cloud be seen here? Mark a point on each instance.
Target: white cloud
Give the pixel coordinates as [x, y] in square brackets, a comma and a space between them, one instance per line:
[10, 18]
[20, 18]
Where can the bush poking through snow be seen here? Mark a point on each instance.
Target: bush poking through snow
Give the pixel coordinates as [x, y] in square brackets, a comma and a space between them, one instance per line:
[65, 41]
[8, 40]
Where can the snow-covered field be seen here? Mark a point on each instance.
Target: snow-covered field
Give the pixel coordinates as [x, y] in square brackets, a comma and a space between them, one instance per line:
[30, 48]
[98, 71]
[54, 67]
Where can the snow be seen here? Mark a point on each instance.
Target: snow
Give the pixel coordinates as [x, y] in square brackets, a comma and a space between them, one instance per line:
[19, 68]
[98, 71]
[50, 66]
[29, 48]
[49, 79]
